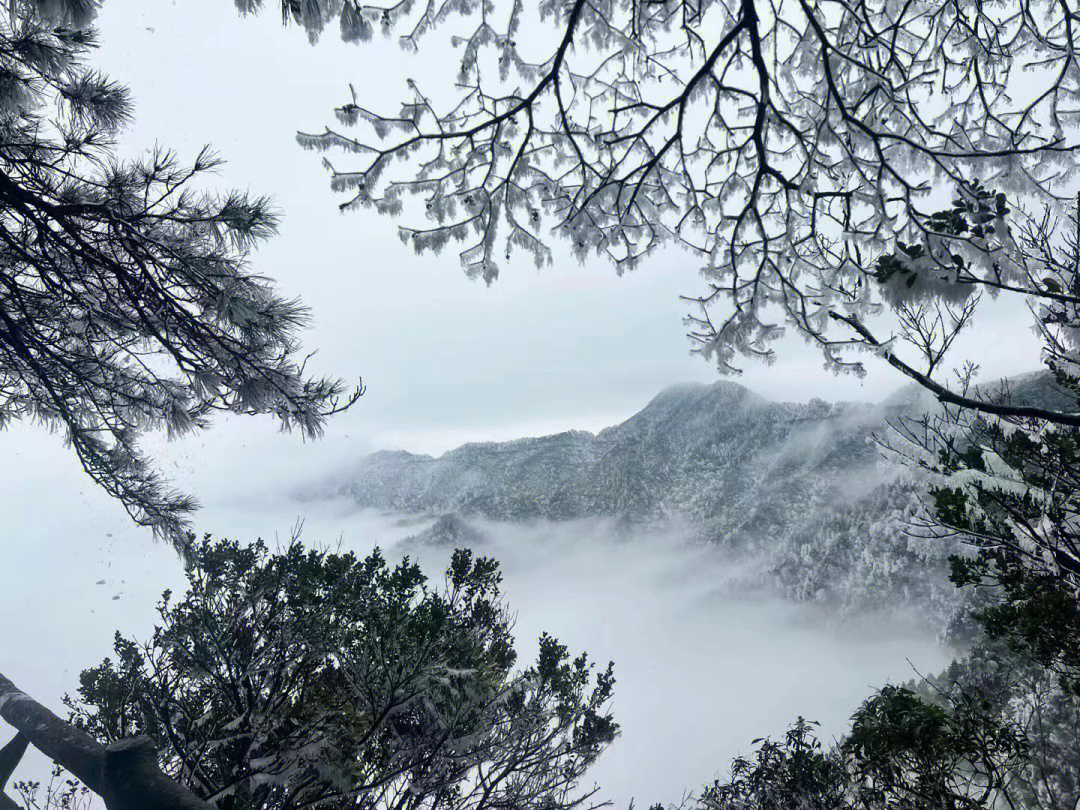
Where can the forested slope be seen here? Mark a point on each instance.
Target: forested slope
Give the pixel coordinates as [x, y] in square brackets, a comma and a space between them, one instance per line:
[804, 488]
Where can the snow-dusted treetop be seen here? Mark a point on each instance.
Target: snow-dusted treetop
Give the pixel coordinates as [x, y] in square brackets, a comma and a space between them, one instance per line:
[789, 144]
[126, 300]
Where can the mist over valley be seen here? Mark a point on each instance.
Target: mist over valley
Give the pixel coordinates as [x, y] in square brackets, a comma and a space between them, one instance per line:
[742, 562]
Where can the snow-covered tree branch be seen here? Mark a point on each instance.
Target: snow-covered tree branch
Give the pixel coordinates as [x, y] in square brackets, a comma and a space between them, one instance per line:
[126, 299]
[791, 146]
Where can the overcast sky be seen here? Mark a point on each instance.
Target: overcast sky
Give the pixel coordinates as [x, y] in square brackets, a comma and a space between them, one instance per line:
[445, 359]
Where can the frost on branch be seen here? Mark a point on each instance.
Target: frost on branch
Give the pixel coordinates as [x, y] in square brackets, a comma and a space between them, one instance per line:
[788, 146]
[127, 302]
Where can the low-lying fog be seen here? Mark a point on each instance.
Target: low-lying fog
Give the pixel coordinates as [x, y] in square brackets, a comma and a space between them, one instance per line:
[703, 666]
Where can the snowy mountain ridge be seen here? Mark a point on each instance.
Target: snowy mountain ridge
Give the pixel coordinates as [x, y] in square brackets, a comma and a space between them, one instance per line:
[802, 487]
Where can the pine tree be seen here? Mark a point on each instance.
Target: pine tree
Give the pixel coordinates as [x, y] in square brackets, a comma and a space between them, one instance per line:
[127, 303]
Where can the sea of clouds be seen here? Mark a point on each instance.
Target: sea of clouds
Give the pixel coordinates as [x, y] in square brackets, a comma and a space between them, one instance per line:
[703, 663]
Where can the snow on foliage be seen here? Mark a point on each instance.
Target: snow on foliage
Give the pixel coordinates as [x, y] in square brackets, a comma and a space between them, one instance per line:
[127, 305]
[307, 678]
[788, 146]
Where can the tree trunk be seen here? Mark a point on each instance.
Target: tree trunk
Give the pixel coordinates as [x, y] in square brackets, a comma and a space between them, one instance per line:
[10, 755]
[125, 774]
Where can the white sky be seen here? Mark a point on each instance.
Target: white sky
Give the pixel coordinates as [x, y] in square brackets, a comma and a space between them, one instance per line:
[446, 359]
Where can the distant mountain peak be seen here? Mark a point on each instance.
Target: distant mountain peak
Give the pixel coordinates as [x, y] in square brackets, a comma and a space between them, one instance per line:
[719, 391]
[800, 487]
